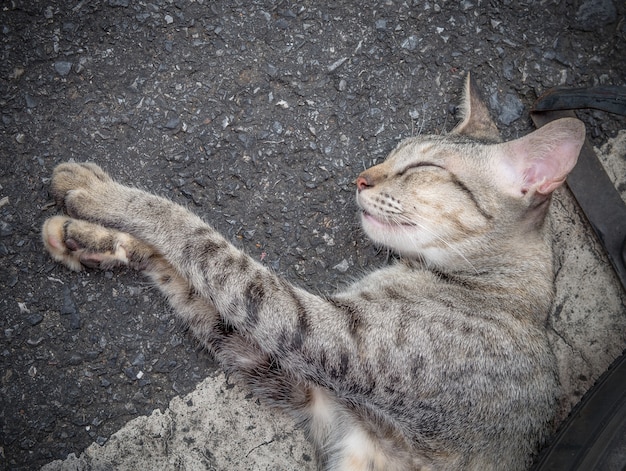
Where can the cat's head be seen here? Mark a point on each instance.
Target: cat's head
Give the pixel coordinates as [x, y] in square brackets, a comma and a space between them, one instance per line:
[447, 199]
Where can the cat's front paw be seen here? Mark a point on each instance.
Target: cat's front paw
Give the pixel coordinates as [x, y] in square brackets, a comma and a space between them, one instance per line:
[73, 184]
[58, 243]
[76, 243]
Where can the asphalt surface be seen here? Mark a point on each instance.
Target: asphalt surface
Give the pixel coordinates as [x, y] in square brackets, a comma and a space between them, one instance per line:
[257, 115]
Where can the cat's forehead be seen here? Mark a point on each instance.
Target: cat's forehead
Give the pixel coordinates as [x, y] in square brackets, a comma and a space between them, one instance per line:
[429, 148]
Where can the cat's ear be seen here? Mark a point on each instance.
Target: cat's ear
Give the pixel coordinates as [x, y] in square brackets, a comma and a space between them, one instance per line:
[538, 163]
[476, 122]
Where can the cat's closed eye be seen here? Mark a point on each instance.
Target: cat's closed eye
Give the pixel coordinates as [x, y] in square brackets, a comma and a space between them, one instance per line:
[415, 165]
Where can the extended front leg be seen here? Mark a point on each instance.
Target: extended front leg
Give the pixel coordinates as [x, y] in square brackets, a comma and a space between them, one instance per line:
[210, 264]
[310, 336]
[87, 193]
[295, 349]
[77, 244]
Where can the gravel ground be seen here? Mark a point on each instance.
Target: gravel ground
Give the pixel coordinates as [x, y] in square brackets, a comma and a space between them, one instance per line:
[256, 114]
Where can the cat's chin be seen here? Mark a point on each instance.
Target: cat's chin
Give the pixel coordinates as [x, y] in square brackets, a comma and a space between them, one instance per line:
[371, 219]
[395, 236]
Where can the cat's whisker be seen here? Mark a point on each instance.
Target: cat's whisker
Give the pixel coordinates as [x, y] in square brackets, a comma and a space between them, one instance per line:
[423, 121]
[403, 219]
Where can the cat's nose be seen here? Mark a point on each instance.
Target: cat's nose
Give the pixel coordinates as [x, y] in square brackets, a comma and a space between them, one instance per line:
[371, 177]
[363, 182]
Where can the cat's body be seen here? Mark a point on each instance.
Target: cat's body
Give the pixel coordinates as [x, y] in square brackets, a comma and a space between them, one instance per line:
[440, 361]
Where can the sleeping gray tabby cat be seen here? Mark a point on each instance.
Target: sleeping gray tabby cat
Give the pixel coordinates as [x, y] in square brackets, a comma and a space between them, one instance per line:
[438, 362]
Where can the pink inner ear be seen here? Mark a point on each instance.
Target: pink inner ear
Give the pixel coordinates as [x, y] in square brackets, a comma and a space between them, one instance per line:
[540, 161]
[547, 172]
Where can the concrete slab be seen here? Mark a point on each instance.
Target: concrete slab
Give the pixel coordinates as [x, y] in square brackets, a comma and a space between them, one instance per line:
[216, 427]
[588, 323]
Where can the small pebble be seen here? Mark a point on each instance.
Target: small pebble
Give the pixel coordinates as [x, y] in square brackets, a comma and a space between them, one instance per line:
[139, 360]
[282, 23]
[271, 70]
[68, 306]
[509, 109]
[31, 102]
[75, 359]
[343, 266]
[35, 319]
[409, 43]
[5, 229]
[277, 127]
[338, 63]
[63, 68]
[173, 123]
[130, 373]
[92, 355]
[512, 109]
